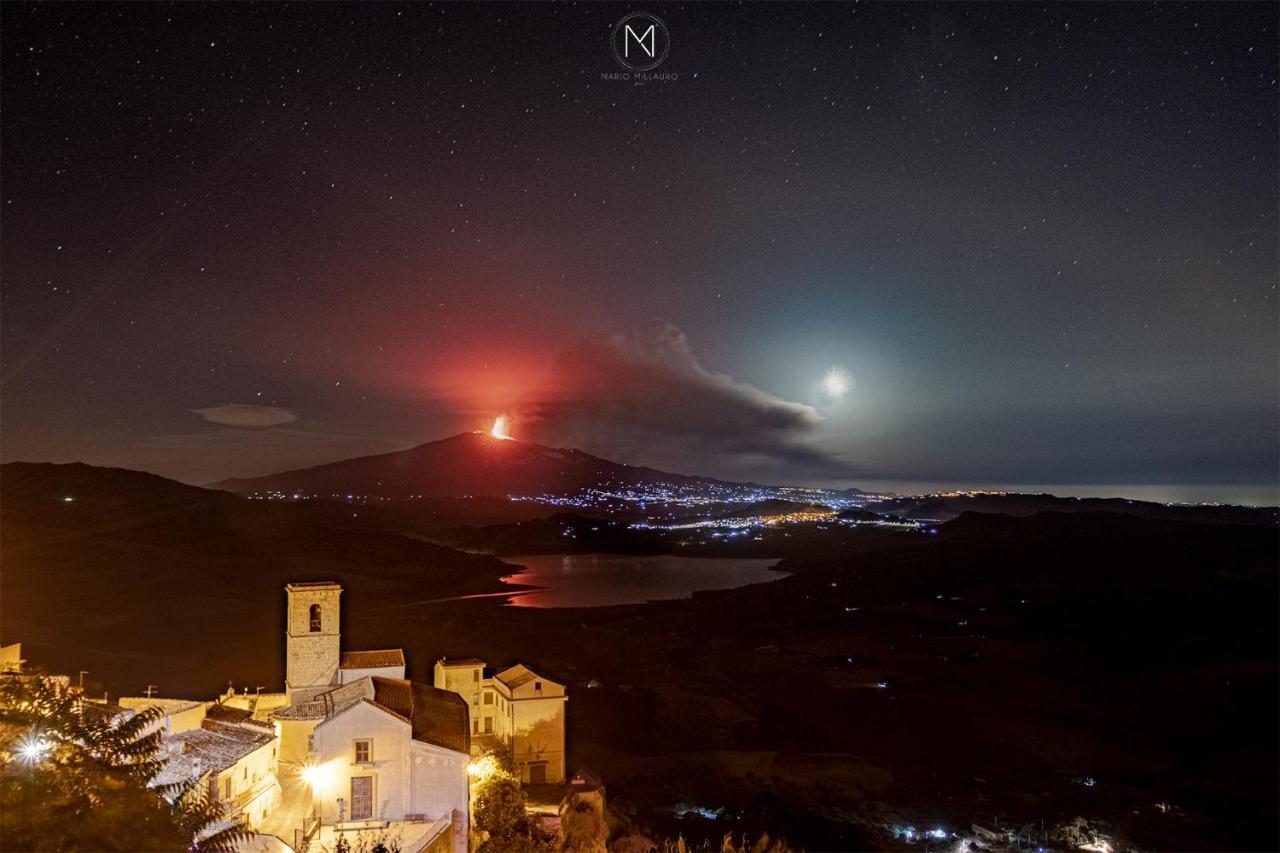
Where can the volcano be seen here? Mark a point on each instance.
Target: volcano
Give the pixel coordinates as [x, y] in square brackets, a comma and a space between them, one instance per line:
[472, 464]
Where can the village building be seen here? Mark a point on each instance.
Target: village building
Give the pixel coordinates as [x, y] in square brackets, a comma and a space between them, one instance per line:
[373, 748]
[227, 756]
[351, 745]
[178, 715]
[515, 711]
[259, 705]
[385, 663]
[11, 660]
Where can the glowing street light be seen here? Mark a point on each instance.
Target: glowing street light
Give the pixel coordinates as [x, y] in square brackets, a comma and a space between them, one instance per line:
[33, 749]
[317, 776]
[482, 768]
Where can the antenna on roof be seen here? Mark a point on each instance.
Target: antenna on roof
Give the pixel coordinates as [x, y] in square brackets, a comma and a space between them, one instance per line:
[151, 690]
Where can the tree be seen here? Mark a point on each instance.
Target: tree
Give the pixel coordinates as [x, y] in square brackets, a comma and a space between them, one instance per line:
[583, 825]
[763, 844]
[368, 843]
[74, 778]
[499, 810]
[1078, 832]
[634, 843]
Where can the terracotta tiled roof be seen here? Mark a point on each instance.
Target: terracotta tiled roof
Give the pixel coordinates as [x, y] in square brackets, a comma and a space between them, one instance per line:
[374, 659]
[448, 662]
[226, 714]
[438, 717]
[325, 705]
[215, 750]
[168, 706]
[515, 676]
[395, 694]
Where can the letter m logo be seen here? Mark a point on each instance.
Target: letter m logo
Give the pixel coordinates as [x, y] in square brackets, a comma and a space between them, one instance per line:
[646, 40]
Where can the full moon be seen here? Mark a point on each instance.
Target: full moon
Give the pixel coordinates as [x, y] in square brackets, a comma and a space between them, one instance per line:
[836, 383]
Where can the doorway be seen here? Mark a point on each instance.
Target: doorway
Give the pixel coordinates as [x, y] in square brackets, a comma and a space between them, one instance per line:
[361, 797]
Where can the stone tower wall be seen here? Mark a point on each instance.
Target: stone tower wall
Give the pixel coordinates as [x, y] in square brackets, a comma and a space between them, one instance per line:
[311, 657]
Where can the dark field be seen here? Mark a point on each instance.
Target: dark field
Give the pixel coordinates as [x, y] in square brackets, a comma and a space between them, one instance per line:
[1018, 656]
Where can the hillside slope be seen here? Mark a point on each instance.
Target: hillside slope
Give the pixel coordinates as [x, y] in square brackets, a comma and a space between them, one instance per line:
[143, 580]
[468, 464]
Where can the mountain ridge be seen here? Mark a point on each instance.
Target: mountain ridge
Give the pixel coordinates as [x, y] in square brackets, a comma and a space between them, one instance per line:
[472, 464]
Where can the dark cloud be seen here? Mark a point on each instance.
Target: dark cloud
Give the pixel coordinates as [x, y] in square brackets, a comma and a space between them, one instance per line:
[246, 415]
[648, 390]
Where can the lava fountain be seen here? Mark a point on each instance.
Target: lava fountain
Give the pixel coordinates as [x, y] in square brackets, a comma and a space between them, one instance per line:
[499, 429]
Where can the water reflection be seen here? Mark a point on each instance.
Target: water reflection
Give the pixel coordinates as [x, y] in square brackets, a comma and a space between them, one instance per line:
[599, 580]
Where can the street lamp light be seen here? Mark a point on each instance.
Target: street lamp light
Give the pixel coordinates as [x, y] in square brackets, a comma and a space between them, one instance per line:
[33, 749]
[482, 768]
[319, 777]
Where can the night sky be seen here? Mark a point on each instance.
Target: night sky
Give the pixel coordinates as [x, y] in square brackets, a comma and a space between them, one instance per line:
[1039, 240]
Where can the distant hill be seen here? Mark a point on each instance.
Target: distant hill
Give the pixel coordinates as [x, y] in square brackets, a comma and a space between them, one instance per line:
[469, 464]
[946, 507]
[139, 579]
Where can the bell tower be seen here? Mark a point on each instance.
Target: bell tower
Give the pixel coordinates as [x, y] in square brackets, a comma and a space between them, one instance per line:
[312, 640]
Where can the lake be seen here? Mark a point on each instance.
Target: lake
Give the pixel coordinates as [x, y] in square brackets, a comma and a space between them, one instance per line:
[599, 580]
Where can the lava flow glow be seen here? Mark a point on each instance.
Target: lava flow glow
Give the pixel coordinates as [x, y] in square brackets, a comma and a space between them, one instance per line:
[500, 428]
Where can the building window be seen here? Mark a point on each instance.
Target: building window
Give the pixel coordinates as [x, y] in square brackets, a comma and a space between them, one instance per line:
[226, 788]
[475, 675]
[364, 751]
[475, 726]
[488, 698]
[475, 698]
[537, 687]
[488, 725]
[315, 618]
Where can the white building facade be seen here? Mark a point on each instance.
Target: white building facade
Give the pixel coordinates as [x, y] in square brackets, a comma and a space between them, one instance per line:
[372, 747]
[516, 711]
[352, 745]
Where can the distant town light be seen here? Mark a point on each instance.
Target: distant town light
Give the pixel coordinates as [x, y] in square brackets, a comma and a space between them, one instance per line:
[68, 499]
